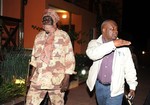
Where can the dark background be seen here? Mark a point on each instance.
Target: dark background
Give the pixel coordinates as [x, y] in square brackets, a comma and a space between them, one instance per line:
[135, 23]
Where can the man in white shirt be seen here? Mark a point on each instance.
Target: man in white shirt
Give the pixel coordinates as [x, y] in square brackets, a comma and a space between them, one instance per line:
[112, 64]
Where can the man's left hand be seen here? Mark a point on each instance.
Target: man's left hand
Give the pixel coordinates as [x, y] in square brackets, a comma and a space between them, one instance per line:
[65, 83]
[131, 94]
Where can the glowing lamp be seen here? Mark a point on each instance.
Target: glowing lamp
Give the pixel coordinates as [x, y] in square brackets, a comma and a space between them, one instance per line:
[64, 16]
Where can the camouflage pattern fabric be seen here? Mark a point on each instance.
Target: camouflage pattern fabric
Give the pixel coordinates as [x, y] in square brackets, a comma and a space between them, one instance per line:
[50, 72]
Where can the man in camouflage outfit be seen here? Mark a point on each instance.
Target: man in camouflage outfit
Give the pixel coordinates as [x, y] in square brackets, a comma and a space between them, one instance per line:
[53, 62]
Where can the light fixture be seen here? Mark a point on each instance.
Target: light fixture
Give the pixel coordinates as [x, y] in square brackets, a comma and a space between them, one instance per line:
[64, 16]
[143, 52]
[83, 71]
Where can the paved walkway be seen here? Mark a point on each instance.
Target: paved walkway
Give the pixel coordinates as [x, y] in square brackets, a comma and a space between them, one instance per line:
[81, 96]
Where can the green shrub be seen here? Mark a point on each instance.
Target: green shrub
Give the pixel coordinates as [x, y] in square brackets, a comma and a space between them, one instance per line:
[9, 91]
[14, 65]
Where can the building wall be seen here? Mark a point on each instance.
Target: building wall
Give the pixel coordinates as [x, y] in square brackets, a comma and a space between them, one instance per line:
[12, 8]
[87, 22]
[81, 18]
[33, 16]
[77, 20]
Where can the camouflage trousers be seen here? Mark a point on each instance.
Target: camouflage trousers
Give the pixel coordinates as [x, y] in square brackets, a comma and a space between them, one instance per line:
[35, 96]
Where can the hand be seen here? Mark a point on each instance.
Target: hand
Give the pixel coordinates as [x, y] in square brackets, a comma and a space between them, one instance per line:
[65, 83]
[28, 82]
[29, 76]
[131, 94]
[121, 42]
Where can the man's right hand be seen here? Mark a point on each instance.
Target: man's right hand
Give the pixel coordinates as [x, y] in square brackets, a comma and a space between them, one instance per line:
[121, 42]
[29, 76]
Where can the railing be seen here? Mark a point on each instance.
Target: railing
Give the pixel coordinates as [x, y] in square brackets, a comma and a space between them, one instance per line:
[11, 34]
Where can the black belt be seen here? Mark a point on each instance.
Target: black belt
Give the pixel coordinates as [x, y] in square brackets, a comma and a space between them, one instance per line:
[105, 84]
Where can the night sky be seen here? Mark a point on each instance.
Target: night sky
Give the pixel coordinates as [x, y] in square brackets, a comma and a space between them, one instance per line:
[135, 23]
